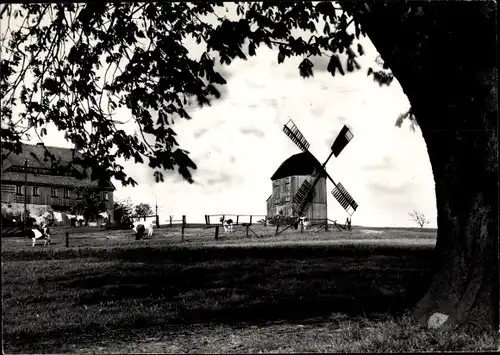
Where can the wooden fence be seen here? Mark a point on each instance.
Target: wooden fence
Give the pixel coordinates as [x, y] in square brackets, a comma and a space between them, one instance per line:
[237, 218]
[157, 219]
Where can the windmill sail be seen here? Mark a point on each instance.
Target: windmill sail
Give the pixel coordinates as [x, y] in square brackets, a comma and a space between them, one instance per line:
[303, 197]
[344, 198]
[341, 141]
[296, 136]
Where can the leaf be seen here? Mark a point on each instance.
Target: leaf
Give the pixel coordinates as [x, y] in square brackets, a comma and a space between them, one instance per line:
[51, 85]
[350, 65]
[326, 29]
[281, 57]
[335, 60]
[361, 51]
[305, 68]
[251, 48]
[370, 71]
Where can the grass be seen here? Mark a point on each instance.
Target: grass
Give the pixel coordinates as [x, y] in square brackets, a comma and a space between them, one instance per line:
[117, 295]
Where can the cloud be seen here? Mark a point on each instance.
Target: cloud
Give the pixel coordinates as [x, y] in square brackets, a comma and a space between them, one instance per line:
[385, 164]
[253, 131]
[223, 178]
[382, 188]
[200, 133]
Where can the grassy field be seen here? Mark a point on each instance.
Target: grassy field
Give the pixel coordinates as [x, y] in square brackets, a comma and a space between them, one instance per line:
[199, 235]
[315, 292]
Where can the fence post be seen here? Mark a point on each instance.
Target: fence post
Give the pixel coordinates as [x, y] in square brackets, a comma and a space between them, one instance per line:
[277, 226]
[157, 221]
[250, 219]
[67, 239]
[216, 232]
[248, 226]
[170, 222]
[326, 224]
[237, 219]
[183, 225]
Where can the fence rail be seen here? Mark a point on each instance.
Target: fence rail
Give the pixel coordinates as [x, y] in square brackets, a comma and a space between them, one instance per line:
[238, 218]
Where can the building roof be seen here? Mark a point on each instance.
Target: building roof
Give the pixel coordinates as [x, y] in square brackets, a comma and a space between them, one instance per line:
[36, 155]
[299, 164]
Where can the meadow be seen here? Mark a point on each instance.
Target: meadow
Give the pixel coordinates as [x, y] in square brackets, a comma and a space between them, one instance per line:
[314, 292]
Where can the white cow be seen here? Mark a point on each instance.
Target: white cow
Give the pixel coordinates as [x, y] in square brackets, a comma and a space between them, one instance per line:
[42, 233]
[304, 222]
[140, 227]
[227, 224]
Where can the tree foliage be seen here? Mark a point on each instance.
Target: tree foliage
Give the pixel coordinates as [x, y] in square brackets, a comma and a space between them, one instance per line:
[123, 211]
[89, 204]
[143, 210]
[77, 64]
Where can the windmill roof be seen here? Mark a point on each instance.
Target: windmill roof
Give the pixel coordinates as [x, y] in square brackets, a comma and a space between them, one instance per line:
[299, 164]
[36, 159]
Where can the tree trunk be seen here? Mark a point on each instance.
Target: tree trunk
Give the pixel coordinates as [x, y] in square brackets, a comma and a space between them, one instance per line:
[444, 56]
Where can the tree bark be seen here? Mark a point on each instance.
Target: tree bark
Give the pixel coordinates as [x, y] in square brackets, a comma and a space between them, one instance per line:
[444, 56]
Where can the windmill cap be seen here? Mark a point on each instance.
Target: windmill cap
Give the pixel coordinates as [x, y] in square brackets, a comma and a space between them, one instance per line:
[298, 164]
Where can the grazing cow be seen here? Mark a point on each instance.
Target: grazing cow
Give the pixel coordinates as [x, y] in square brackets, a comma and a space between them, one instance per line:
[304, 222]
[42, 233]
[140, 227]
[227, 224]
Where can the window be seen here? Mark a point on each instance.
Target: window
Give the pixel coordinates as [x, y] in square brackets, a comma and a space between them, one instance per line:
[66, 192]
[106, 196]
[53, 192]
[19, 189]
[36, 191]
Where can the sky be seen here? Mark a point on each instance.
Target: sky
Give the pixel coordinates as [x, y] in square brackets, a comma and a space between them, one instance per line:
[238, 143]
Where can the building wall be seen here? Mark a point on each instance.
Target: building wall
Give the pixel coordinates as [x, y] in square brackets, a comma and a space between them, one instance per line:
[320, 190]
[283, 191]
[44, 198]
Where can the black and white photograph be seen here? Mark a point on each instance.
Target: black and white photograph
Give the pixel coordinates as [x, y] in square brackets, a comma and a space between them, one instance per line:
[249, 177]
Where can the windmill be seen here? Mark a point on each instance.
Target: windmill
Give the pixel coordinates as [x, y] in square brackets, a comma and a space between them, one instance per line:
[304, 195]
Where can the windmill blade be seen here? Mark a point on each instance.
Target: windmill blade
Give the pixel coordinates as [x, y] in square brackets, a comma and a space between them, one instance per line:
[296, 136]
[341, 141]
[303, 197]
[344, 198]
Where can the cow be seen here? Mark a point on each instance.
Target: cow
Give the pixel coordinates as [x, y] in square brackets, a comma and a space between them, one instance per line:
[140, 227]
[227, 224]
[303, 222]
[42, 233]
